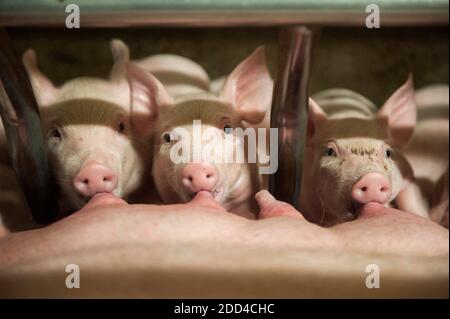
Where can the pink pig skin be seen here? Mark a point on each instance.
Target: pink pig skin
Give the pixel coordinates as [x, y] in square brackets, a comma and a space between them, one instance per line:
[428, 149]
[94, 138]
[246, 96]
[179, 75]
[353, 156]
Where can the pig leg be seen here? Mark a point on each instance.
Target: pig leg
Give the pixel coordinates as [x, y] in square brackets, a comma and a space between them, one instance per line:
[270, 207]
[439, 213]
[410, 200]
[439, 210]
[4, 158]
[3, 230]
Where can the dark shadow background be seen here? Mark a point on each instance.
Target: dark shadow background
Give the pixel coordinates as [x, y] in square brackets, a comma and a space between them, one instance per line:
[373, 62]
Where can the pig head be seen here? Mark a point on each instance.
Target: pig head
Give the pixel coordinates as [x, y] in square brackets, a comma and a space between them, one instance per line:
[352, 158]
[208, 122]
[93, 143]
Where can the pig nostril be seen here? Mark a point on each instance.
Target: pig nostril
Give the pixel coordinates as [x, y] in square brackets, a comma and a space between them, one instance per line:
[364, 188]
[383, 189]
[95, 178]
[198, 176]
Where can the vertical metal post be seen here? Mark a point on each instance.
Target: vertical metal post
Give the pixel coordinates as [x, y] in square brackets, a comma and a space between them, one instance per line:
[20, 116]
[289, 111]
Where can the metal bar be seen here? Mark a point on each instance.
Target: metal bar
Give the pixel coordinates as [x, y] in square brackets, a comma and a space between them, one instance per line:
[289, 111]
[118, 13]
[20, 116]
[223, 19]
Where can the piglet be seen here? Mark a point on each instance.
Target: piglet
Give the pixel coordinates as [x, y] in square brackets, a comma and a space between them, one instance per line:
[179, 75]
[353, 155]
[427, 150]
[246, 96]
[93, 143]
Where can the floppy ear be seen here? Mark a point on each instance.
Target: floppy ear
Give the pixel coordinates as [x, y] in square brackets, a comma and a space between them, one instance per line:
[147, 96]
[399, 113]
[249, 88]
[316, 119]
[44, 91]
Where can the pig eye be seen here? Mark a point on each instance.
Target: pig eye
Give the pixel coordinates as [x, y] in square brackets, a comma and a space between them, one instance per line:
[121, 127]
[388, 153]
[166, 137]
[329, 151]
[228, 129]
[54, 133]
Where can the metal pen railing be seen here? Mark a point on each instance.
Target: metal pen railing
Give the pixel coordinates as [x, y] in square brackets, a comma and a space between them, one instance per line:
[289, 109]
[119, 13]
[20, 116]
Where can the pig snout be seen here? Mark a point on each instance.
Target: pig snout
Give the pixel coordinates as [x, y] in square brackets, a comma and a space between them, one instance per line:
[199, 176]
[93, 179]
[372, 187]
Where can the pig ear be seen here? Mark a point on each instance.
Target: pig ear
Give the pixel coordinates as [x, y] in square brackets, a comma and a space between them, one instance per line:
[399, 113]
[147, 96]
[44, 91]
[249, 87]
[316, 119]
[121, 56]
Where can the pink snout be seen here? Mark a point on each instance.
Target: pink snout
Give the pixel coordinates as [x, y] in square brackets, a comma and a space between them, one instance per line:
[199, 176]
[93, 179]
[372, 187]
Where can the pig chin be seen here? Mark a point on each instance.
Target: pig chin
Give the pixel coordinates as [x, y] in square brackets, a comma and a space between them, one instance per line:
[334, 200]
[345, 210]
[352, 210]
[217, 192]
[78, 201]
